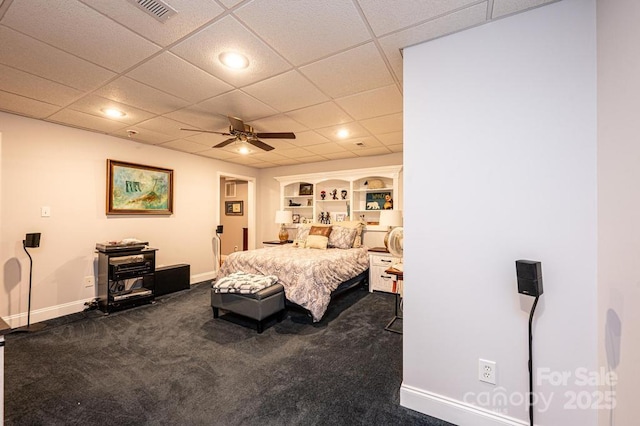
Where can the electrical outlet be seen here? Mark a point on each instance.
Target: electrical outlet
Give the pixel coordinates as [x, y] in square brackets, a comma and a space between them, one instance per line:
[89, 281]
[487, 371]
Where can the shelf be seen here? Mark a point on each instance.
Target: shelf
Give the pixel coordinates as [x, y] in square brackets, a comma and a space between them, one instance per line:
[374, 190]
[297, 196]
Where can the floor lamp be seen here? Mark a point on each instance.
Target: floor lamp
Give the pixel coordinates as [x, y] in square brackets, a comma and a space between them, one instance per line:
[31, 241]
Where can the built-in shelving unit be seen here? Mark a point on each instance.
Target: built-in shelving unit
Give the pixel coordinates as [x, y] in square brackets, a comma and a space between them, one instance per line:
[348, 194]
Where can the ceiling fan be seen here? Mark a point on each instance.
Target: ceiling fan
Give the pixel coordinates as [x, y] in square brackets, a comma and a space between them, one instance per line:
[244, 133]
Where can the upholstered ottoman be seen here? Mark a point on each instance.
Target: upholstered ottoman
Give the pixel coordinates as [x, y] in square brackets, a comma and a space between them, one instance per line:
[258, 305]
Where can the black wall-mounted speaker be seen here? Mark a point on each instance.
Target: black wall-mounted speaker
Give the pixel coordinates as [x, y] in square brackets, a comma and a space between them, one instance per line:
[219, 229]
[32, 240]
[529, 273]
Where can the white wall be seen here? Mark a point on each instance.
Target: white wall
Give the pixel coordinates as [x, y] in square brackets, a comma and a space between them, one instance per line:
[44, 164]
[619, 203]
[500, 159]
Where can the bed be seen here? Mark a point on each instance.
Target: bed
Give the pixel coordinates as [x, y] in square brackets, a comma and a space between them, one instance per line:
[310, 276]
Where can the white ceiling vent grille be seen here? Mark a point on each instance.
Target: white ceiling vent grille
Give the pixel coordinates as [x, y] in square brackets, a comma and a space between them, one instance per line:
[156, 8]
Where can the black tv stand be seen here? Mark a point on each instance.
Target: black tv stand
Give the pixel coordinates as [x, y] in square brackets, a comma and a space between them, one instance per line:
[126, 277]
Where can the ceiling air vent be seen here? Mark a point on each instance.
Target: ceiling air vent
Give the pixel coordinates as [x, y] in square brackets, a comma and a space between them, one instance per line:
[156, 8]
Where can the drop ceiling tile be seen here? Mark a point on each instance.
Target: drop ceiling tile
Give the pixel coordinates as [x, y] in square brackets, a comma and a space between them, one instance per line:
[439, 27]
[391, 138]
[93, 104]
[237, 104]
[374, 103]
[361, 143]
[396, 148]
[286, 162]
[366, 152]
[305, 30]
[384, 19]
[326, 148]
[130, 92]
[144, 136]
[28, 54]
[384, 124]
[354, 129]
[269, 156]
[230, 3]
[218, 154]
[295, 153]
[24, 106]
[86, 121]
[203, 49]
[304, 139]
[199, 118]
[205, 139]
[312, 159]
[340, 155]
[184, 146]
[279, 144]
[193, 84]
[264, 165]
[358, 69]
[191, 15]
[318, 116]
[164, 125]
[31, 86]
[278, 123]
[286, 92]
[79, 30]
[505, 7]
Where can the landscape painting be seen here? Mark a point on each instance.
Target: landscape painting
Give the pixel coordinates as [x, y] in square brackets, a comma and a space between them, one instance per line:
[138, 189]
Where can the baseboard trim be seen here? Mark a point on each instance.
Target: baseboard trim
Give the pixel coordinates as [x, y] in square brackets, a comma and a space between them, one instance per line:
[451, 410]
[205, 276]
[50, 312]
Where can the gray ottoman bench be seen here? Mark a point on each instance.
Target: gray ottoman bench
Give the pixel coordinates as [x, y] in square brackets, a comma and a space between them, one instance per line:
[258, 305]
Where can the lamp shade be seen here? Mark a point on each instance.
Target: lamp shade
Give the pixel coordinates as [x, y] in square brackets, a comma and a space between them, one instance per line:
[390, 218]
[284, 216]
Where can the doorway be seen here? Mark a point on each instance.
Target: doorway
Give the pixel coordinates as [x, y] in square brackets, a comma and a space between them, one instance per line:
[236, 212]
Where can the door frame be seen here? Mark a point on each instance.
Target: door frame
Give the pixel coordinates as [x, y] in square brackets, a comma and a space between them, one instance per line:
[251, 203]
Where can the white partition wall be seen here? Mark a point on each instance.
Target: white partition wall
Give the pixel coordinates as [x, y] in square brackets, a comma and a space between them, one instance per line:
[500, 165]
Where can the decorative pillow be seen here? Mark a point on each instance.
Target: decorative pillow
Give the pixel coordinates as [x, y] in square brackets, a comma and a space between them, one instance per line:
[317, 242]
[303, 230]
[325, 231]
[357, 225]
[342, 238]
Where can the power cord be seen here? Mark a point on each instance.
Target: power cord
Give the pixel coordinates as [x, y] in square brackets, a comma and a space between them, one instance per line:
[533, 309]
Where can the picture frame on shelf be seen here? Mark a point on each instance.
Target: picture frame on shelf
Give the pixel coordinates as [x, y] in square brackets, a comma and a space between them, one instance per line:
[341, 217]
[234, 208]
[379, 201]
[305, 189]
[138, 189]
[295, 218]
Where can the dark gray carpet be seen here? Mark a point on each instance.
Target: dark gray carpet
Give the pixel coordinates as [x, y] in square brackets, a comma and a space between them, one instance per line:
[172, 363]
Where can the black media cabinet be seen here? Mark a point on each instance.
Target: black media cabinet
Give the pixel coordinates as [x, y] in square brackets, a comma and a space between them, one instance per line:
[126, 277]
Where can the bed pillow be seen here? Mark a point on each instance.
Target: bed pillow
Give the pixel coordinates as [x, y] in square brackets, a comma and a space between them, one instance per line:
[317, 242]
[303, 231]
[324, 231]
[342, 238]
[357, 225]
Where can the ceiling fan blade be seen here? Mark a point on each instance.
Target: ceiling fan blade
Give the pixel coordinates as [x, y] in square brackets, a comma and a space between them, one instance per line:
[205, 131]
[236, 123]
[259, 144]
[283, 135]
[224, 143]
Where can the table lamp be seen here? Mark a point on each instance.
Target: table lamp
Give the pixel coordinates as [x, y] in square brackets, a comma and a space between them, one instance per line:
[283, 217]
[390, 219]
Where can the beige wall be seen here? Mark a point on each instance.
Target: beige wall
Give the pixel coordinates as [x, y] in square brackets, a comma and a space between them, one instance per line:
[232, 233]
[44, 164]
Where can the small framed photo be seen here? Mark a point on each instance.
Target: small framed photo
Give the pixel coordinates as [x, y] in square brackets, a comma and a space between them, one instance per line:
[296, 218]
[306, 189]
[233, 208]
[341, 217]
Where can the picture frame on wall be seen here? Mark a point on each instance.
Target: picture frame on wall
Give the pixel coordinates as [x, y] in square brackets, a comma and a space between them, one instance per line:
[234, 208]
[138, 189]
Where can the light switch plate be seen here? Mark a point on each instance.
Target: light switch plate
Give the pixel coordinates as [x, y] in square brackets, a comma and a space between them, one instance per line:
[45, 211]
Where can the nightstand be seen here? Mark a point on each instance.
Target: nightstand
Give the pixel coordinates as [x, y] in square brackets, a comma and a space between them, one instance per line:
[276, 243]
[379, 280]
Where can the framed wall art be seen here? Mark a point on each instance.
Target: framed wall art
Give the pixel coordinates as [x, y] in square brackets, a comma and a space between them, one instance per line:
[138, 189]
[233, 208]
[306, 189]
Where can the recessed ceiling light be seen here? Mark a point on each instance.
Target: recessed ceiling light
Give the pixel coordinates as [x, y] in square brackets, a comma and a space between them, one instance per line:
[234, 60]
[112, 112]
[343, 133]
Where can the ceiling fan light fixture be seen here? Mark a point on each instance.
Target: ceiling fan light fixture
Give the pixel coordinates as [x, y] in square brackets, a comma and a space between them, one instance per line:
[243, 148]
[113, 112]
[234, 60]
